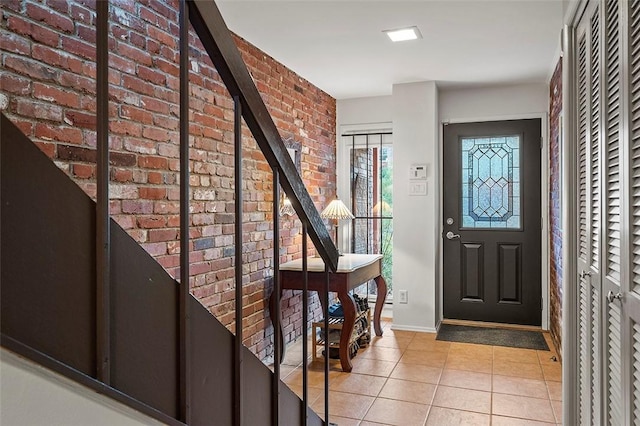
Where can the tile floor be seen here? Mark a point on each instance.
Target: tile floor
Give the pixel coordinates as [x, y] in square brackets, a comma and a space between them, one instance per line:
[409, 378]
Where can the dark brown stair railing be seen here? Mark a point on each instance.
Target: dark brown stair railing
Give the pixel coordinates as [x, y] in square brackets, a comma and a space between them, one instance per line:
[133, 333]
[216, 38]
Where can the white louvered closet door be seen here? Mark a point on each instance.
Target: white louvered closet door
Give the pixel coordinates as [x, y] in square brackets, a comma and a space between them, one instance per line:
[607, 53]
[614, 405]
[584, 373]
[589, 258]
[631, 290]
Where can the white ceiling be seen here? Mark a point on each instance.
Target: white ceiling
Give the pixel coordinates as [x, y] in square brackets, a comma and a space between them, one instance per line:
[339, 46]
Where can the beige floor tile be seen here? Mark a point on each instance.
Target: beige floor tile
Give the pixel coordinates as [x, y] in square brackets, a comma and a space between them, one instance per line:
[471, 349]
[429, 345]
[390, 342]
[417, 373]
[520, 386]
[365, 423]
[512, 421]
[557, 410]
[462, 399]
[316, 378]
[359, 384]
[459, 362]
[401, 413]
[313, 393]
[552, 372]
[466, 379]
[555, 390]
[344, 421]
[432, 359]
[423, 336]
[528, 356]
[381, 353]
[402, 334]
[547, 357]
[421, 393]
[522, 407]
[439, 416]
[373, 367]
[516, 369]
[344, 404]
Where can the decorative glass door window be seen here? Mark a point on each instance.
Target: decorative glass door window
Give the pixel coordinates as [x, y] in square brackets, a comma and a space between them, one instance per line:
[490, 192]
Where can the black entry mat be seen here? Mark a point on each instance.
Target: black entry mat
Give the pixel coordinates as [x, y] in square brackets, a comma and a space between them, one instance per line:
[493, 336]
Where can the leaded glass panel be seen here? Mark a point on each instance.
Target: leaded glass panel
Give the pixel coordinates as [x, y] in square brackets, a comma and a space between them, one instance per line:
[491, 182]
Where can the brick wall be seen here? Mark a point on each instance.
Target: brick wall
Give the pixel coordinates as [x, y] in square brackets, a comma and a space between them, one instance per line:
[48, 89]
[362, 187]
[555, 211]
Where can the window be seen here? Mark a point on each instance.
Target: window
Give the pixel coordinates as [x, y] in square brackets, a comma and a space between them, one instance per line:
[491, 182]
[371, 179]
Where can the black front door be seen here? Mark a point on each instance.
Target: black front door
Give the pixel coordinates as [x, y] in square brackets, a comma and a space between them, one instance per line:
[492, 222]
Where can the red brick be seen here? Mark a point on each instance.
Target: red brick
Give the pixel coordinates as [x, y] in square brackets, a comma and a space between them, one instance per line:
[152, 222]
[56, 95]
[83, 171]
[80, 119]
[121, 175]
[56, 20]
[157, 134]
[155, 249]
[82, 14]
[60, 134]
[47, 148]
[31, 68]
[14, 43]
[162, 235]
[36, 32]
[148, 193]
[125, 127]
[162, 37]
[137, 206]
[78, 47]
[155, 177]
[152, 162]
[39, 110]
[11, 83]
[136, 114]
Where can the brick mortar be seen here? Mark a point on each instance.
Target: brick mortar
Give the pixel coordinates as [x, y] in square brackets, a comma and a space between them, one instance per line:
[47, 87]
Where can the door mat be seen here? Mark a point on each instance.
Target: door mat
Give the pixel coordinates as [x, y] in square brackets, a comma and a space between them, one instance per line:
[492, 336]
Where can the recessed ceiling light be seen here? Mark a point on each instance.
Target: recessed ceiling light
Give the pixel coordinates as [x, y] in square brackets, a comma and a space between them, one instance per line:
[404, 34]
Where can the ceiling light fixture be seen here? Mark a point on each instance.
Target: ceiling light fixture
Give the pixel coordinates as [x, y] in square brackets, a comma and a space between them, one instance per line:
[403, 34]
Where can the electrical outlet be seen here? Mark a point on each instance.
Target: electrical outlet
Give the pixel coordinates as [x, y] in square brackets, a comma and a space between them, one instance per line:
[404, 296]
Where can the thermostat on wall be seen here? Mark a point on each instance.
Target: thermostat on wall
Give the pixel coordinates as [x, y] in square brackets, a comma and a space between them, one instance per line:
[418, 171]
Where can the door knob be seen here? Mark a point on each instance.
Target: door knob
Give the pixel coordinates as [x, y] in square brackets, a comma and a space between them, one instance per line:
[611, 296]
[451, 236]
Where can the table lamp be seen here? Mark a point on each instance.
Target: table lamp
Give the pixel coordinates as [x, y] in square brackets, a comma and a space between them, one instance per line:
[336, 210]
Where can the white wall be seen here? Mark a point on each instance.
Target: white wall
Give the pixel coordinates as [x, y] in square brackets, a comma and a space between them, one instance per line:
[493, 102]
[415, 112]
[415, 217]
[32, 395]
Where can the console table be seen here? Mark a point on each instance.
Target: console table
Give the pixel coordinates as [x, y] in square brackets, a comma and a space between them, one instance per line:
[353, 271]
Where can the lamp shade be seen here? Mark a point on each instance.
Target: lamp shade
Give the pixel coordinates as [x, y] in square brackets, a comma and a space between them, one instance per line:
[336, 210]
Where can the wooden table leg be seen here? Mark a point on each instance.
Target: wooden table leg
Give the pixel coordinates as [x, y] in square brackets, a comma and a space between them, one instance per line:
[349, 309]
[381, 297]
[272, 310]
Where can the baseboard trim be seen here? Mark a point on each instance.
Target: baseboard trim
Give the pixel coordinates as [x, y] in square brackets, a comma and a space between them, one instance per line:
[400, 327]
[492, 325]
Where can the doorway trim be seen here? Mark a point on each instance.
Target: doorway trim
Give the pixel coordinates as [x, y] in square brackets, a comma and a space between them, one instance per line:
[544, 206]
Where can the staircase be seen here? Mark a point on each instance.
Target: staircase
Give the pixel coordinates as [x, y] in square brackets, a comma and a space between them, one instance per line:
[167, 356]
